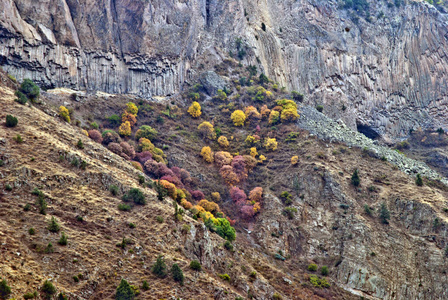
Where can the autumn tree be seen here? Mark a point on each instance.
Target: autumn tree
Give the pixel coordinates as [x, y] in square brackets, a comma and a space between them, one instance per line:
[238, 117]
[207, 131]
[207, 154]
[270, 144]
[125, 129]
[195, 110]
[223, 142]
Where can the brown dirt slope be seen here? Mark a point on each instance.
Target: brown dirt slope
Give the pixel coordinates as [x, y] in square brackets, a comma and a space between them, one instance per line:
[44, 160]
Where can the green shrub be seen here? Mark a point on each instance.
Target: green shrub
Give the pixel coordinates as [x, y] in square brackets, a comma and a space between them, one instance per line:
[159, 219]
[114, 120]
[63, 240]
[224, 276]
[286, 197]
[367, 210]
[319, 108]
[49, 248]
[228, 245]
[132, 225]
[5, 290]
[124, 207]
[177, 273]
[62, 296]
[75, 278]
[135, 195]
[419, 180]
[30, 295]
[195, 265]
[42, 203]
[11, 121]
[18, 139]
[2, 162]
[80, 144]
[21, 97]
[8, 187]
[355, 178]
[31, 231]
[147, 132]
[124, 291]
[48, 289]
[289, 212]
[113, 189]
[27, 207]
[53, 225]
[384, 214]
[159, 268]
[75, 162]
[145, 285]
[94, 125]
[312, 267]
[141, 179]
[277, 296]
[30, 89]
[324, 270]
[319, 282]
[83, 165]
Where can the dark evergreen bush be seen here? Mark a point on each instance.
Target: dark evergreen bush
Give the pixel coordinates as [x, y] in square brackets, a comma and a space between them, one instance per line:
[11, 121]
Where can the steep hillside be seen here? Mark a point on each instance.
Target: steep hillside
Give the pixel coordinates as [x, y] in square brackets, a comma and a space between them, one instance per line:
[385, 238]
[378, 65]
[49, 165]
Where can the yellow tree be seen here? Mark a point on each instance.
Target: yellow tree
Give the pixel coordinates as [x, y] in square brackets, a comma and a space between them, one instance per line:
[207, 131]
[207, 154]
[195, 109]
[125, 129]
[238, 117]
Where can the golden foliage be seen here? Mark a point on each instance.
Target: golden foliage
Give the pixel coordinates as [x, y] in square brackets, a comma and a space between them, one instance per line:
[216, 197]
[294, 160]
[195, 109]
[145, 145]
[261, 158]
[125, 129]
[238, 117]
[207, 131]
[171, 188]
[185, 204]
[209, 206]
[265, 111]
[127, 117]
[270, 144]
[252, 113]
[274, 117]
[64, 113]
[223, 142]
[131, 108]
[253, 152]
[207, 154]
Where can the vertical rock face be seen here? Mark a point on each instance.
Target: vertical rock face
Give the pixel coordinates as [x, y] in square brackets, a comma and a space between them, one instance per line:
[388, 74]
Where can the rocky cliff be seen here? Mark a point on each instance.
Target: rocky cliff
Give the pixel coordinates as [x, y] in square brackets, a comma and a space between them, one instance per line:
[384, 68]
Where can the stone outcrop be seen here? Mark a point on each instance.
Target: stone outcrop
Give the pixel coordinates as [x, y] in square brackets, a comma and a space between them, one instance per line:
[388, 73]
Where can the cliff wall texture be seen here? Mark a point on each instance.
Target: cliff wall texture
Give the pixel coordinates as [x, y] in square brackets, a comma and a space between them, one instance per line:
[384, 68]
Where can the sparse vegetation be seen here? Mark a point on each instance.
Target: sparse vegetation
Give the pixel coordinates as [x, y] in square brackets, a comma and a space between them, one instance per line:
[159, 268]
[124, 291]
[5, 289]
[177, 273]
[355, 178]
[11, 121]
[195, 265]
[384, 214]
[53, 225]
[48, 289]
